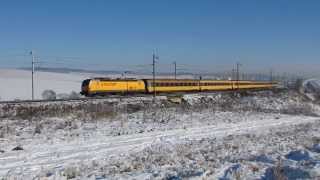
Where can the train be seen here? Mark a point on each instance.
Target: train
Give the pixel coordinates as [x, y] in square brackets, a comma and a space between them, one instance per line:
[105, 86]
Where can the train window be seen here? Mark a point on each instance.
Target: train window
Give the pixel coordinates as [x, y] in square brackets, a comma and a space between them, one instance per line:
[85, 82]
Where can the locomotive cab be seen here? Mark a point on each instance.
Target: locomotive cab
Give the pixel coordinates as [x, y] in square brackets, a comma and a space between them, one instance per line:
[85, 87]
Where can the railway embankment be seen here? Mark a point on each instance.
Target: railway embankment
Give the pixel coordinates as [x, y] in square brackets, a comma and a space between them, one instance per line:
[106, 108]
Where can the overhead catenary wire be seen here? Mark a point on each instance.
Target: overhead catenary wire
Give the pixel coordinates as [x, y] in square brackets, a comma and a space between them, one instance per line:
[164, 67]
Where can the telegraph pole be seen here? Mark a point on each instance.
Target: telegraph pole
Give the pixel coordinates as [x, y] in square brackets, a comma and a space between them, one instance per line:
[32, 72]
[175, 69]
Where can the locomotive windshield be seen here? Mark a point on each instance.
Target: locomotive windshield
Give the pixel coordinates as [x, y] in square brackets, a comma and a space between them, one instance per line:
[85, 82]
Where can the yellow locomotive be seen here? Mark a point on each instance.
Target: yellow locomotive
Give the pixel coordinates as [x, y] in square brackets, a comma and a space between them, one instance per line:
[104, 86]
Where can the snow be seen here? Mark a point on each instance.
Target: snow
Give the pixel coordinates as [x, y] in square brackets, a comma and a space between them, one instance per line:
[311, 88]
[262, 135]
[16, 84]
[57, 149]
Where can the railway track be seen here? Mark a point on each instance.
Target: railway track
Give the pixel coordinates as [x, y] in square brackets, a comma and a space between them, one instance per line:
[86, 99]
[70, 100]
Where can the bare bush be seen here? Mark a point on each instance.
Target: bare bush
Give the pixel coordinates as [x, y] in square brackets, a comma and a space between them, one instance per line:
[63, 96]
[74, 95]
[49, 94]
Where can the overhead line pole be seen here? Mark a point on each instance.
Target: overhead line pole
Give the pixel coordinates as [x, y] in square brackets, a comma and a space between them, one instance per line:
[233, 74]
[238, 75]
[32, 78]
[154, 57]
[175, 69]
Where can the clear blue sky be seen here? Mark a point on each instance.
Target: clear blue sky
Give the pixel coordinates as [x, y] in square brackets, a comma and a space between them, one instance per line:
[209, 33]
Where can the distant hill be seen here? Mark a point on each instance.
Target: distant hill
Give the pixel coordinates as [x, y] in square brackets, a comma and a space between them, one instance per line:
[72, 70]
[208, 75]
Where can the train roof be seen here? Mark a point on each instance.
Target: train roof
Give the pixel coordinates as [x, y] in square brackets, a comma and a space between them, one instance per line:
[224, 80]
[175, 80]
[114, 79]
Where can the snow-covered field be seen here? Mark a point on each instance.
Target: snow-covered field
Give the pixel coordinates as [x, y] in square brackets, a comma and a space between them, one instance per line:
[210, 136]
[16, 84]
[260, 135]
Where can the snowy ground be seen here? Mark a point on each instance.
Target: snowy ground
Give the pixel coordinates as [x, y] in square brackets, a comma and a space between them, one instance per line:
[311, 88]
[212, 136]
[55, 154]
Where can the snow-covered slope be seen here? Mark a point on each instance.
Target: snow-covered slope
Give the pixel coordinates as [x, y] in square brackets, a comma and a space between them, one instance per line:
[208, 136]
[312, 85]
[311, 88]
